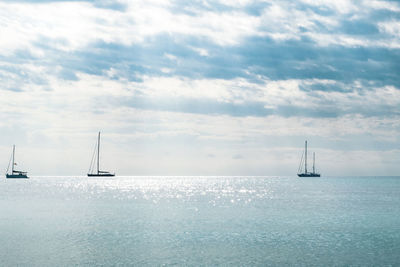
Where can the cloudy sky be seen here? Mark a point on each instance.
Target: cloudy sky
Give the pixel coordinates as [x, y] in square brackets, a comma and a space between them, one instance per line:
[201, 87]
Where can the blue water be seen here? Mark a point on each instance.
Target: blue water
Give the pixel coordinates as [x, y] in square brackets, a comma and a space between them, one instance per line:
[65, 221]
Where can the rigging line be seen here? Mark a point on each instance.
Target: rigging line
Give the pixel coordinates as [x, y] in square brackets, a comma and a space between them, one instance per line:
[9, 164]
[93, 158]
[301, 163]
[92, 161]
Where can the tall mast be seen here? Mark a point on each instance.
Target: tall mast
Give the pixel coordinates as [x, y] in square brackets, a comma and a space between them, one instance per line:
[98, 153]
[12, 168]
[305, 162]
[313, 164]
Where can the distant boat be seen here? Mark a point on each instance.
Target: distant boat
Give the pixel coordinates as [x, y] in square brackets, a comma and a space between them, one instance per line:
[14, 173]
[306, 173]
[97, 173]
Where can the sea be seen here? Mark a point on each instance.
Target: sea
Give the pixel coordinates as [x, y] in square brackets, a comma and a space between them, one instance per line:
[200, 221]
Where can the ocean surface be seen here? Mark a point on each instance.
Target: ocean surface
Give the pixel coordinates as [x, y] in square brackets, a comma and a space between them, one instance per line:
[246, 221]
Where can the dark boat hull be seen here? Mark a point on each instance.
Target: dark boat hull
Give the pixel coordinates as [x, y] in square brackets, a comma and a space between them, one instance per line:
[101, 175]
[17, 176]
[309, 175]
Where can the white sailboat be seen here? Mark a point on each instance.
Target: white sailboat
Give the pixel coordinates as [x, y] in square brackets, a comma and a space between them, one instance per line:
[300, 172]
[97, 172]
[14, 173]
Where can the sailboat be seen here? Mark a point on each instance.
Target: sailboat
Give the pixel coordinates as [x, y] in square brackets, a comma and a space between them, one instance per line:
[98, 173]
[306, 173]
[14, 173]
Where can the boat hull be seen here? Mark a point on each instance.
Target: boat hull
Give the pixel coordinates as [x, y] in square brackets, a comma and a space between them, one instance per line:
[101, 175]
[17, 176]
[309, 175]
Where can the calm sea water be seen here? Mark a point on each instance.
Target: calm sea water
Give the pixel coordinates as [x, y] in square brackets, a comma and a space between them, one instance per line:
[64, 221]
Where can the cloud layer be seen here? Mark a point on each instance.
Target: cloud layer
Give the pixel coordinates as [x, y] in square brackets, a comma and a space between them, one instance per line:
[232, 79]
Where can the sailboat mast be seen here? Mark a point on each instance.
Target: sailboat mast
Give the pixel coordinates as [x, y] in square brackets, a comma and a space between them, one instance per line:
[313, 164]
[12, 168]
[305, 162]
[98, 154]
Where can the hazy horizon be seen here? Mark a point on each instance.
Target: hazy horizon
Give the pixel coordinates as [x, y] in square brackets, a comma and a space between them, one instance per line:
[200, 88]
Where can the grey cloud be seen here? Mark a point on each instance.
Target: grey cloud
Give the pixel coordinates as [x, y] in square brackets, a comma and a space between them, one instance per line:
[197, 106]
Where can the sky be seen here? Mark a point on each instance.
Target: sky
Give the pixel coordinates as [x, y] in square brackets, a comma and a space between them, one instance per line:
[200, 87]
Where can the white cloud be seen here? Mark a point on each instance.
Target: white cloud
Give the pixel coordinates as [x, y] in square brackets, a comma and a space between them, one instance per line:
[285, 21]
[340, 6]
[73, 25]
[391, 27]
[392, 6]
[201, 51]
[94, 102]
[70, 26]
